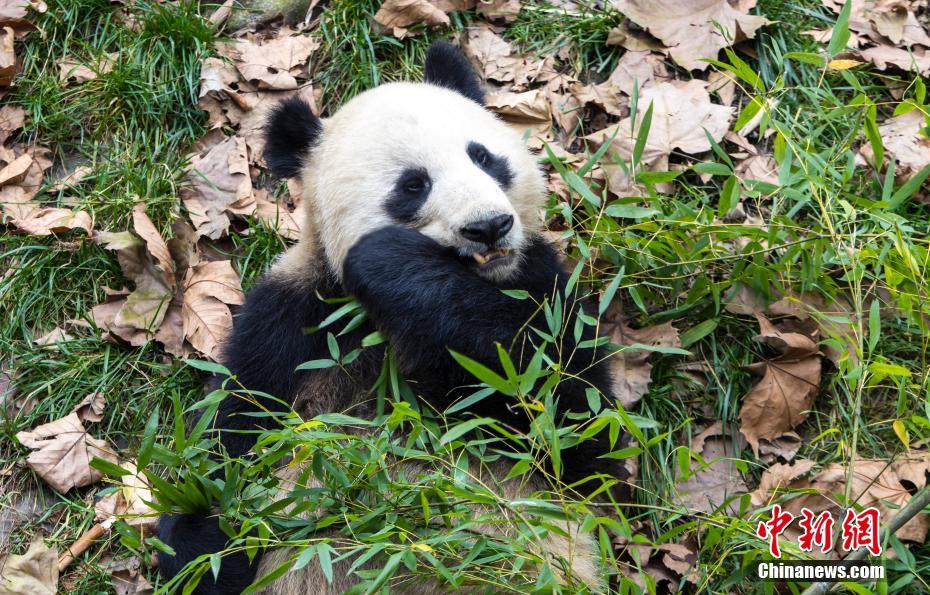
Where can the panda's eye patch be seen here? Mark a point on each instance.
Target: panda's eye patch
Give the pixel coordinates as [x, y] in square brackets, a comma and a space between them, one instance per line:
[495, 166]
[410, 192]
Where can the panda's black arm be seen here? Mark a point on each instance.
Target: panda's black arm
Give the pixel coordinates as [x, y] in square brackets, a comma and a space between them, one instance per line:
[428, 301]
[269, 340]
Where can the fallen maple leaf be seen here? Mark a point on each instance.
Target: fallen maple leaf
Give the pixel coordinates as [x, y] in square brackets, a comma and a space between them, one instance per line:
[127, 578]
[499, 10]
[217, 178]
[15, 13]
[397, 16]
[75, 71]
[902, 138]
[209, 289]
[145, 259]
[498, 61]
[32, 573]
[524, 112]
[34, 219]
[632, 371]
[129, 501]
[693, 29]
[885, 484]
[274, 63]
[62, 449]
[787, 385]
[682, 118]
[710, 485]
[7, 56]
[12, 118]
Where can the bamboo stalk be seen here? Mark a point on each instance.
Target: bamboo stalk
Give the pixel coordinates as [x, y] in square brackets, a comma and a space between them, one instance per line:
[83, 542]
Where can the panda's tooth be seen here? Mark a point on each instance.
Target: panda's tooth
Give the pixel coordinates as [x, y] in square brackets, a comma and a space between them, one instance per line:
[481, 258]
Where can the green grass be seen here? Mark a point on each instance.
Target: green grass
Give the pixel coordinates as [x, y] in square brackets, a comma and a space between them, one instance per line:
[134, 125]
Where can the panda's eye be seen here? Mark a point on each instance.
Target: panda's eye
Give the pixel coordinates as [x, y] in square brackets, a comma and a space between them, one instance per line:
[480, 156]
[415, 184]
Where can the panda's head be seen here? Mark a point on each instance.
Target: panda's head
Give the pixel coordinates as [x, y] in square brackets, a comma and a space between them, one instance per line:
[424, 155]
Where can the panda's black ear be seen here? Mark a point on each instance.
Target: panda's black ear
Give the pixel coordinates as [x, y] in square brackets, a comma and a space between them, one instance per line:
[290, 132]
[446, 66]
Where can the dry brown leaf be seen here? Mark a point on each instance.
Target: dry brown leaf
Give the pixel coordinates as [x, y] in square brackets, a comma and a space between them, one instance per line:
[15, 13]
[129, 501]
[710, 486]
[7, 56]
[497, 60]
[761, 168]
[505, 11]
[274, 63]
[665, 564]
[217, 178]
[835, 318]
[884, 21]
[147, 262]
[154, 243]
[631, 369]
[723, 84]
[691, 29]
[31, 218]
[32, 573]
[71, 70]
[605, 95]
[638, 69]
[62, 449]
[902, 140]
[12, 118]
[681, 114]
[205, 315]
[524, 112]
[283, 221]
[53, 337]
[397, 16]
[787, 385]
[73, 178]
[917, 59]
[15, 171]
[886, 485]
[103, 316]
[630, 36]
[11, 404]
[127, 578]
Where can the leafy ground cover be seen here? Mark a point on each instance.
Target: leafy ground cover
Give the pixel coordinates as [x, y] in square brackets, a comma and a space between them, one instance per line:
[752, 226]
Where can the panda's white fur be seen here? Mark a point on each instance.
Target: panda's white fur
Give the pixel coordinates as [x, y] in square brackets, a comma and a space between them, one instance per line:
[352, 241]
[398, 125]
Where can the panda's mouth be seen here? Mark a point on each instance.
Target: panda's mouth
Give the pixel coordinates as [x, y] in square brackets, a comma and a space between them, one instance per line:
[491, 257]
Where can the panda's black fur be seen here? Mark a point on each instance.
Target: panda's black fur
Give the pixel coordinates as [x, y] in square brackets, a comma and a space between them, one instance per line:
[416, 293]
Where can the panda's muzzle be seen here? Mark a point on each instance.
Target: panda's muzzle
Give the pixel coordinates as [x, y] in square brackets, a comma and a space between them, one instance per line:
[489, 232]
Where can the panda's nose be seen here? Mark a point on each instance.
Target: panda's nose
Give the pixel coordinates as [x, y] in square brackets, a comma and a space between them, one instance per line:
[488, 231]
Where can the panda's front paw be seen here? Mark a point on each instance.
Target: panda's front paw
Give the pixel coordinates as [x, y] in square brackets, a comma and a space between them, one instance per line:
[387, 254]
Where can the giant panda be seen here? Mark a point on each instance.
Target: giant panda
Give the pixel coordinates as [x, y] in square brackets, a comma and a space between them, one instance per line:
[423, 206]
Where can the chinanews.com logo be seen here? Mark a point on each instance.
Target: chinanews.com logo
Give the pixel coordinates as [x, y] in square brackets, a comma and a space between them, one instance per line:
[858, 530]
